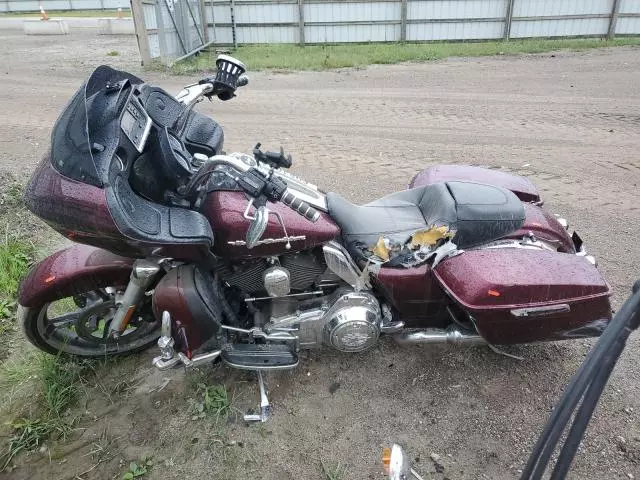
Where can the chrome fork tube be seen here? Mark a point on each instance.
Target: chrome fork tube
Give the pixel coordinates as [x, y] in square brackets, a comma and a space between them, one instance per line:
[144, 272]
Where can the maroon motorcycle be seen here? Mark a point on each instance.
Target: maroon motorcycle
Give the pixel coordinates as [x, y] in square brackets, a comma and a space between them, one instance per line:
[215, 255]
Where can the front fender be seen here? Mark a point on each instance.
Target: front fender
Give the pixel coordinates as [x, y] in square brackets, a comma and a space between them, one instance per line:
[77, 269]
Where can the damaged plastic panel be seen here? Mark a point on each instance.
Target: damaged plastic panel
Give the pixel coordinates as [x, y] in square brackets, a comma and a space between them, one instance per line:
[421, 246]
[403, 226]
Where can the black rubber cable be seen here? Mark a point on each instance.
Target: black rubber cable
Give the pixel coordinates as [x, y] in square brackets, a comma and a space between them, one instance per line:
[560, 416]
[626, 319]
[583, 416]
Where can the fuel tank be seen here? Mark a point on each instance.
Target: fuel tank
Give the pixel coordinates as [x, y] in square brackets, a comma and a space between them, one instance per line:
[225, 209]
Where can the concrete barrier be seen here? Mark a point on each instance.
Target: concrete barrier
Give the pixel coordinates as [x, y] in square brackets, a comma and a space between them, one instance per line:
[45, 27]
[116, 26]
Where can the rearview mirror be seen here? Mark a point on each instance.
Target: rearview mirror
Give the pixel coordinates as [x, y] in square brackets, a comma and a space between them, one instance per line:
[257, 227]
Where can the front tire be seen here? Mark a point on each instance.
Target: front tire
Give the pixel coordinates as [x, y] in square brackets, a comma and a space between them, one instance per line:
[79, 325]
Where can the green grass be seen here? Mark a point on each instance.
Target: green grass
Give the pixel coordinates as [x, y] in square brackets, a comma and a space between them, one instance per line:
[323, 57]
[15, 259]
[58, 383]
[69, 13]
[333, 471]
[210, 399]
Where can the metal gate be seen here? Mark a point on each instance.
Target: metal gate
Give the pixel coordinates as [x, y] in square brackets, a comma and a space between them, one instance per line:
[169, 30]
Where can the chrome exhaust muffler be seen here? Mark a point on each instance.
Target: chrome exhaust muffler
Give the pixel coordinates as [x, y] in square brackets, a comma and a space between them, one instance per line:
[451, 334]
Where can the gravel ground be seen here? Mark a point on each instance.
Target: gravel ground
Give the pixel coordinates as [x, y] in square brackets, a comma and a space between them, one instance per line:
[568, 121]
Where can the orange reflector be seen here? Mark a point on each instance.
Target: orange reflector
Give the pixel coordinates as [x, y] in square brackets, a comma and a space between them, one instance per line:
[386, 459]
[494, 293]
[50, 279]
[127, 318]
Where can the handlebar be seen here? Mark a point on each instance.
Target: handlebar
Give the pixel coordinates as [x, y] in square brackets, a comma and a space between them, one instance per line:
[300, 206]
[253, 188]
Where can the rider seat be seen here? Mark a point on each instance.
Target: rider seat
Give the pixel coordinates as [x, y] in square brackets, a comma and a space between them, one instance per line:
[478, 213]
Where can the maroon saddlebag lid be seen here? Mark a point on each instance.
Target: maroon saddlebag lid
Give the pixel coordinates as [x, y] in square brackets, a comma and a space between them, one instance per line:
[524, 295]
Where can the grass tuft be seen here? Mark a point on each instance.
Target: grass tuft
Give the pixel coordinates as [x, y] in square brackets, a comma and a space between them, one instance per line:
[325, 57]
[212, 400]
[333, 471]
[15, 259]
[60, 381]
[113, 53]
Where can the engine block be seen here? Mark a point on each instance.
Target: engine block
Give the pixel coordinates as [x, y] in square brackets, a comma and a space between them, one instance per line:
[347, 321]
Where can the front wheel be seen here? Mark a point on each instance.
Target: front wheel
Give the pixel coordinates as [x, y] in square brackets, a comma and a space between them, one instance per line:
[79, 325]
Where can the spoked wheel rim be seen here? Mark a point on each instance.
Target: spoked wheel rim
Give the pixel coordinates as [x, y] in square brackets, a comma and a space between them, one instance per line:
[85, 330]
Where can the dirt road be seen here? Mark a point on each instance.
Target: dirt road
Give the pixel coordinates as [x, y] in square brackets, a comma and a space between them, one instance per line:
[568, 121]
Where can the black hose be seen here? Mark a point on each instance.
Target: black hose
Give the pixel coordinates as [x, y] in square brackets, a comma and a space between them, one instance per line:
[591, 378]
[583, 416]
[228, 312]
[562, 413]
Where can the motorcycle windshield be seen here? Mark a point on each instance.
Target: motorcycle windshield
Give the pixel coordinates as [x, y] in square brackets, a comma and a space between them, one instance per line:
[86, 135]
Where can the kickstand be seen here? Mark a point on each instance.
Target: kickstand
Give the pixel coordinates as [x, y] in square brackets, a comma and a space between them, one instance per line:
[264, 403]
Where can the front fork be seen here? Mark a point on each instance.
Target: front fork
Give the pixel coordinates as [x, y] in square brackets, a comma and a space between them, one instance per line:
[142, 276]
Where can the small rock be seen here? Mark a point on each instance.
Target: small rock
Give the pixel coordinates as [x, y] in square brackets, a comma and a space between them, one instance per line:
[435, 457]
[630, 475]
[622, 443]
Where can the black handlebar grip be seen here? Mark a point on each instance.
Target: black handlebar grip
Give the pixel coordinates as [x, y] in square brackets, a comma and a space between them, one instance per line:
[300, 206]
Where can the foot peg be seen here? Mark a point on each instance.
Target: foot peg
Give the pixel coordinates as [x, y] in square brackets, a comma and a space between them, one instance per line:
[249, 356]
[263, 416]
[169, 358]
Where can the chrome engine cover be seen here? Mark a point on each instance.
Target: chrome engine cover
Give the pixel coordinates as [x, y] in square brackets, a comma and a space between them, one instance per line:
[353, 322]
[277, 281]
[347, 321]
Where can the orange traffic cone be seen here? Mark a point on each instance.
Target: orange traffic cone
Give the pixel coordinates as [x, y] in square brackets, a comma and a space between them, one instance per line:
[43, 14]
[119, 14]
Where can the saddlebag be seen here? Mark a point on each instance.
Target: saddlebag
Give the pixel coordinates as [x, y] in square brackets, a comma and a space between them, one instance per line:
[525, 295]
[188, 293]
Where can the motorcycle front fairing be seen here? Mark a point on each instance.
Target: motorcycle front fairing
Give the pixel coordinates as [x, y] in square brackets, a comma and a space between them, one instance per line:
[82, 187]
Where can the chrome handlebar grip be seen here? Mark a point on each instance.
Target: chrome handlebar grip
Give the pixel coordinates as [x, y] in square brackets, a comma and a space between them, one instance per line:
[300, 206]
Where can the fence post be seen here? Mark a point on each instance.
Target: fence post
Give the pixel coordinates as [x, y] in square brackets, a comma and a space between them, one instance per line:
[403, 20]
[137, 11]
[507, 19]
[203, 21]
[232, 5]
[614, 19]
[301, 21]
[162, 38]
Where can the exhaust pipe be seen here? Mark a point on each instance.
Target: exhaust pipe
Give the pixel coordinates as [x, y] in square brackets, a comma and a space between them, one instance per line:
[439, 335]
